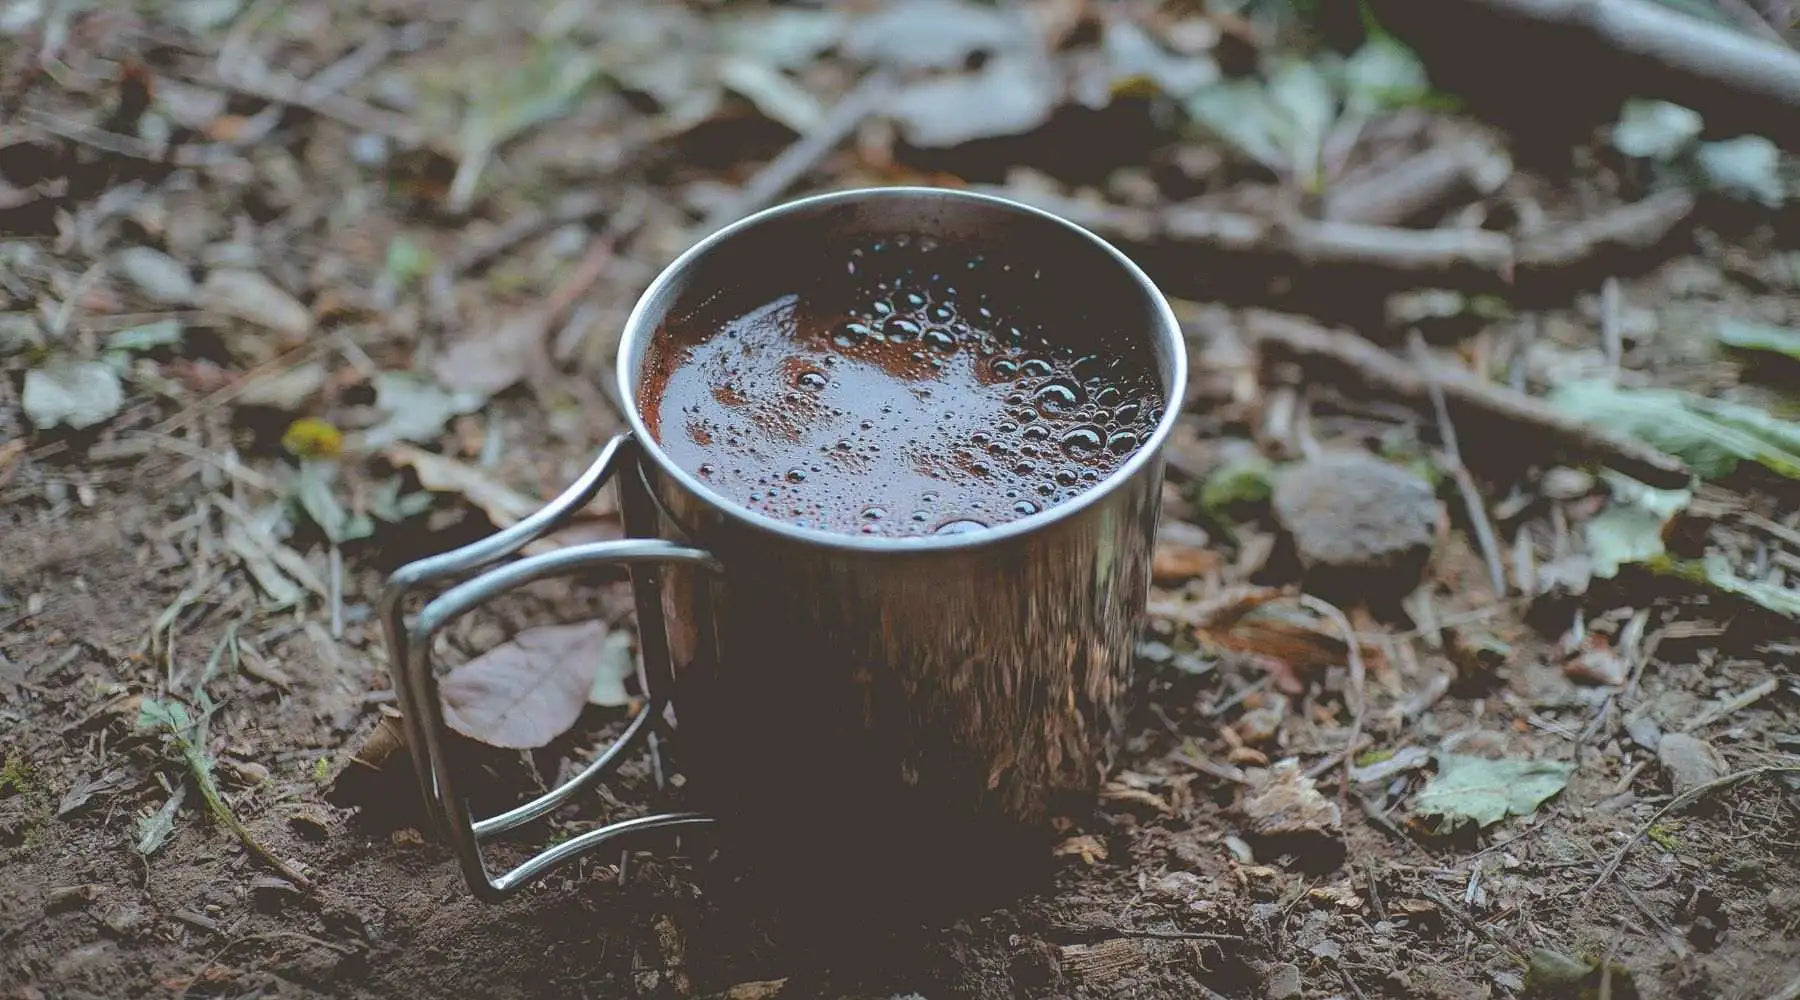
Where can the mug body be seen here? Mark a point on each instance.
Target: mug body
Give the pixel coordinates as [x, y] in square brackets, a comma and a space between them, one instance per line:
[942, 695]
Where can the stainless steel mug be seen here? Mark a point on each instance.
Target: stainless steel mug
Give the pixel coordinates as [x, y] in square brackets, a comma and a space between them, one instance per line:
[945, 694]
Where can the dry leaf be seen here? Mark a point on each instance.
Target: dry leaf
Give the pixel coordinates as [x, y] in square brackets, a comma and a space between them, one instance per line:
[503, 505]
[525, 692]
[489, 362]
[249, 296]
[1289, 803]
[1089, 848]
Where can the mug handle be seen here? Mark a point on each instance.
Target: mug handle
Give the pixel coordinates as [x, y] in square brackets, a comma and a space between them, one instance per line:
[416, 684]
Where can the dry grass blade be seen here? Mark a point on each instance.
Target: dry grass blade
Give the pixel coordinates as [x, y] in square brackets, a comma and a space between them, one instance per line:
[1678, 802]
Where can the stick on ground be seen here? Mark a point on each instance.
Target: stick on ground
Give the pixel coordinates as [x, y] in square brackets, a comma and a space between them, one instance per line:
[1681, 801]
[1337, 354]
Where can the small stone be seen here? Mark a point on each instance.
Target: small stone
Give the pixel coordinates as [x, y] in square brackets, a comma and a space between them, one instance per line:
[77, 393]
[1283, 982]
[1564, 483]
[1179, 886]
[1240, 851]
[1689, 761]
[1359, 521]
[123, 919]
[159, 276]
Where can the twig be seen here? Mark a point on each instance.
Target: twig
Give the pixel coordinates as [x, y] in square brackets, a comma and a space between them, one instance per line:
[1336, 353]
[285, 90]
[576, 208]
[199, 767]
[1637, 226]
[1678, 802]
[1396, 192]
[1639, 47]
[1444, 903]
[1446, 256]
[1465, 483]
[793, 163]
[1611, 339]
[115, 143]
[1359, 707]
[1730, 706]
[293, 357]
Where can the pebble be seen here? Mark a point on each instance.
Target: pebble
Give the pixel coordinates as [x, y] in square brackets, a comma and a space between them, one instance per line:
[159, 276]
[1180, 886]
[1283, 982]
[1689, 761]
[1352, 513]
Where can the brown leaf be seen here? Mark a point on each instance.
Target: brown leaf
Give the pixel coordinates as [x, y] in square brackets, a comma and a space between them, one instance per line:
[1089, 848]
[1288, 803]
[526, 692]
[503, 505]
[492, 361]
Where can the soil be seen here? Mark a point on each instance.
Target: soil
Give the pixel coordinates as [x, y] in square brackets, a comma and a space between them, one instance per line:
[120, 585]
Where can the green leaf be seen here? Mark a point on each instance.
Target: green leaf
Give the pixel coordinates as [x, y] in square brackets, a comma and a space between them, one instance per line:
[1655, 130]
[169, 715]
[1481, 791]
[1781, 600]
[1383, 74]
[1630, 530]
[313, 490]
[387, 504]
[1237, 484]
[1712, 436]
[1748, 166]
[150, 336]
[1747, 336]
[407, 262]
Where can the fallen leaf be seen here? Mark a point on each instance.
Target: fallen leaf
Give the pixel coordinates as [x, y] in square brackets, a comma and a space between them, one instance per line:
[77, 393]
[934, 34]
[1762, 337]
[1373, 772]
[416, 409]
[788, 37]
[1131, 53]
[760, 989]
[1288, 803]
[1236, 486]
[1598, 662]
[1711, 435]
[314, 489]
[85, 789]
[539, 89]
[1281, 123]
[159, 276]
[527, 691]
[1748, 166]
[484, 364]
[1781, 600]
[1383, 73]
[1655, 130]
[616, 665]
[1475, 789]
[148, 337]
[310, 437]
[1089, 848]
[775, 94]
[1009, 95]
[153, 830]
[503, 505]
[287, 390]
[249, 296]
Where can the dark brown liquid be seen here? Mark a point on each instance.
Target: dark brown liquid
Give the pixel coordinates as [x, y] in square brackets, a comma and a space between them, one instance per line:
[917, 390]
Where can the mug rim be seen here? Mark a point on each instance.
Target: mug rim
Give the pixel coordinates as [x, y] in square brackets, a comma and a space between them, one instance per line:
[638, 326]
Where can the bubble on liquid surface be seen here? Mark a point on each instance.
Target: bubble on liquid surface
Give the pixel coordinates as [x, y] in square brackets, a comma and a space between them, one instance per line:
[961, 526]
[937, 372]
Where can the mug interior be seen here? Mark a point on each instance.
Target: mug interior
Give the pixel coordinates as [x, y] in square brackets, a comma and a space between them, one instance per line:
[783, 248]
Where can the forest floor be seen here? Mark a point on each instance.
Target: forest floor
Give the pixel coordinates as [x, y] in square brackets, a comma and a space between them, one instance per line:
[293, 293]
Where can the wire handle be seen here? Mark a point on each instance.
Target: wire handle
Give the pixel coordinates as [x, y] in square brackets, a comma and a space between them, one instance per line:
[416, 684]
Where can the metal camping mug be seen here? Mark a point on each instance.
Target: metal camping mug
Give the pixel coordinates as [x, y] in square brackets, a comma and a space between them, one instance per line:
[944, 692]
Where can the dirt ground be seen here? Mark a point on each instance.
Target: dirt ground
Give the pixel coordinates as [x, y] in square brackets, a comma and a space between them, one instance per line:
[472, 194]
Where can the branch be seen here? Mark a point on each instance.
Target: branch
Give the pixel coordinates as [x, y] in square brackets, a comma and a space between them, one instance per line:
[1337, 353]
